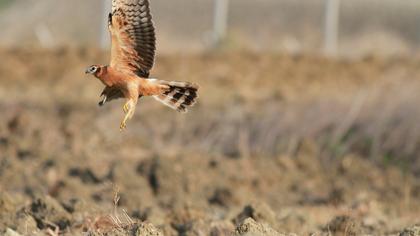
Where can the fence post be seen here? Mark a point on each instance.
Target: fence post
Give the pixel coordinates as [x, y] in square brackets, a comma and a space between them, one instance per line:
[105, 38]
[44, 35]
[220, 24]
[331, 28]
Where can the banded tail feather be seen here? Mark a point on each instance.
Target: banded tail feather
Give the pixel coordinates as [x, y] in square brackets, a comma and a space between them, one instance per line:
[179, 96]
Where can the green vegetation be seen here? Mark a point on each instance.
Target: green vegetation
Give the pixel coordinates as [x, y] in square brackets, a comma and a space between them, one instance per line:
[4, 3]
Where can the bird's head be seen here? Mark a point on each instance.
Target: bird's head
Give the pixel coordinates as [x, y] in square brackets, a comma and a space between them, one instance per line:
[95, 70]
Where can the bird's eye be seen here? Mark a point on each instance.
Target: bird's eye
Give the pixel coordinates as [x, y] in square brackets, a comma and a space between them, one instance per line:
[93, 69]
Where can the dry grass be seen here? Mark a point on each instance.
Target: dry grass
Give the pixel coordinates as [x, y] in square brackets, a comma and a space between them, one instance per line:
[117, 221]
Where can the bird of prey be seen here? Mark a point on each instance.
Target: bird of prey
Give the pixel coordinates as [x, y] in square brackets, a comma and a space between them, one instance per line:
[132, 57]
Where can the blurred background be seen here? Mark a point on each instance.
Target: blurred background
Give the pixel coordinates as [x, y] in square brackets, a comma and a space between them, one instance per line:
[307, 121]
[361, 27]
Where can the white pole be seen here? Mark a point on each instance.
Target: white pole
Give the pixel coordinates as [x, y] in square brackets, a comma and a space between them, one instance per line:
[44, 35]
[332, 15]
[106, 9]
[221, 10]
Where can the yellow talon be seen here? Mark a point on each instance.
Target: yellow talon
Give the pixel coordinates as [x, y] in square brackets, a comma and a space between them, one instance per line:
[122, 126]
[125, 108]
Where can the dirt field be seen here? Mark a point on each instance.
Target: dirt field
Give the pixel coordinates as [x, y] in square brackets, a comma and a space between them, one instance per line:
[278, 144]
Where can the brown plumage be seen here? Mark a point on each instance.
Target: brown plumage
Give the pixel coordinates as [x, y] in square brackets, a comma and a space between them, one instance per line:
[132, 57]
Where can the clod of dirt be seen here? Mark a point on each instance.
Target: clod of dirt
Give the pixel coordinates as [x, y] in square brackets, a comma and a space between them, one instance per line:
[144, 230]
[343, 225]
[24, 154]
[26, 224]
[10, 232]
[260, 212]
[148, 169]
[71, 205]
[222, 197]
[250, 227]
[86, 175]
[14, 123]
[221, 228]
[4, 141]
[412, 231]
[136, 229]
[188, 221]
[7, 210]
[291, 219]
[141, 215]
[198, 227]
[48, 213]
[6, 203]
[182, 228]
[335, 197]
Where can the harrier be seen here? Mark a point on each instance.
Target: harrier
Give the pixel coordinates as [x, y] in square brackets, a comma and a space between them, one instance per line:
[132, 57]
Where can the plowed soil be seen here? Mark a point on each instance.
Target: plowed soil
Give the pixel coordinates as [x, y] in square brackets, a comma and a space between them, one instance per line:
[278, 144]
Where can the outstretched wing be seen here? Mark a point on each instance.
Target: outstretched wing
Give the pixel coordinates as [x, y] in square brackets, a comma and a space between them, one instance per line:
[133, 36]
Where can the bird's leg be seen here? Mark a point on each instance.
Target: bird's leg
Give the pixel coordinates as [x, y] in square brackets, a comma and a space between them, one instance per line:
[123, 124]
[131, 107]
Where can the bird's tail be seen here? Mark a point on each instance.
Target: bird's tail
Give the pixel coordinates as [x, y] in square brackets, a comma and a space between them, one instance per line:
[179, 96]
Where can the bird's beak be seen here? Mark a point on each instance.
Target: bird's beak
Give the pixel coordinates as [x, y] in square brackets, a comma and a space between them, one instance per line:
[87, 71]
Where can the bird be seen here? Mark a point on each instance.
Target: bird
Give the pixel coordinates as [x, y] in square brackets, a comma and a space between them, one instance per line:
[133, 47]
